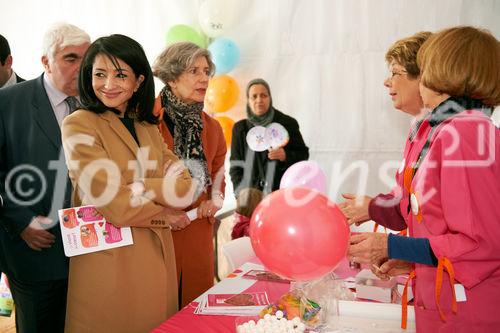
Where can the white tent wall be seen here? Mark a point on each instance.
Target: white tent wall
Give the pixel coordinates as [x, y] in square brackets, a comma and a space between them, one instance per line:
[324, 60]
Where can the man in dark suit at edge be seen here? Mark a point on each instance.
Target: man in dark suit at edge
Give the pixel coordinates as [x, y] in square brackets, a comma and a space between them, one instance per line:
[7, 75]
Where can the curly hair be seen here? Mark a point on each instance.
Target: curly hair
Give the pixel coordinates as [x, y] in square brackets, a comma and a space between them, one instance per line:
[404, 52]
[178, 57]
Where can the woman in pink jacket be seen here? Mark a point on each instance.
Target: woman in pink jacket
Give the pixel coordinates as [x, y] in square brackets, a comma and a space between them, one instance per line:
[402, 85]
[452, 185]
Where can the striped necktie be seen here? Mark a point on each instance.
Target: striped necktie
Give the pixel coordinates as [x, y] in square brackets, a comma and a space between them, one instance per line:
[72, 103]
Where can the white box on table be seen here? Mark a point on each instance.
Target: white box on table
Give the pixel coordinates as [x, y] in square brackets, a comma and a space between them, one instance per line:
[369, 286]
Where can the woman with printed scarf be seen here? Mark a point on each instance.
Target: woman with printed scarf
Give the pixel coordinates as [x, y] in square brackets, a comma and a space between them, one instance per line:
[197, 139]
[451, 184]
[266, 167]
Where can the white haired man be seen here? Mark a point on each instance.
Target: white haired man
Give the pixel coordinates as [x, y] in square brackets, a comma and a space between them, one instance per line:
[33, 182]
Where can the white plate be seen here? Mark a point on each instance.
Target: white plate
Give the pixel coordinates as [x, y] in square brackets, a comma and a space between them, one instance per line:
[256, 139]
[276, 135]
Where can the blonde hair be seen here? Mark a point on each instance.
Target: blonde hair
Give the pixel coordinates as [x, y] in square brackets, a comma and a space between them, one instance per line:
[178, 57]
[247, 201]
[404, 52]
[462, 61]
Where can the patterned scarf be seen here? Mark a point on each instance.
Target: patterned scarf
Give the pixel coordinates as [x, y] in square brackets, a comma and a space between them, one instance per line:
[187, 135]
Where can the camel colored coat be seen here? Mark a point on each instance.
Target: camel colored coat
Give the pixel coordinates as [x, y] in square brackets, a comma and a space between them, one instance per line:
[194, 250]
[128, 289]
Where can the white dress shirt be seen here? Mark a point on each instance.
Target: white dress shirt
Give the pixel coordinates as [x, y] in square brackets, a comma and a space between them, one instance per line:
[11, 81]
[56, 98]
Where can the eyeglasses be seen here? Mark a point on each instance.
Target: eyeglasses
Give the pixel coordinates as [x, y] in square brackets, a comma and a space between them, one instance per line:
[393, 73]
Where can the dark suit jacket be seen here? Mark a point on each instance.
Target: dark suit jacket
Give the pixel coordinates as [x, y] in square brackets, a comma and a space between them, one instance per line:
[296, 150]
[18, 79]
[29, 139]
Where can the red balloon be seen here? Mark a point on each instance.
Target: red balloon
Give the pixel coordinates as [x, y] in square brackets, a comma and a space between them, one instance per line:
[299, 234]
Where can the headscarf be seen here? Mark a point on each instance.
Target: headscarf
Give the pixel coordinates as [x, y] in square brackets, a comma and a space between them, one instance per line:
[187, 134]
[266, 118]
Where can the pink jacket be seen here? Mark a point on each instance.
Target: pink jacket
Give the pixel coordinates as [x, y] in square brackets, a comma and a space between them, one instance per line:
[456, 205]
[385, 209]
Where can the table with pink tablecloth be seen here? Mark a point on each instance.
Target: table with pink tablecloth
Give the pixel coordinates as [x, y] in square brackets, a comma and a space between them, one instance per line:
[186, 321]
[369, 317]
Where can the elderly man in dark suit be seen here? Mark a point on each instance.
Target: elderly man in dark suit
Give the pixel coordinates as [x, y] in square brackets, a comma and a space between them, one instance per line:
[34, 182]
[7, 76]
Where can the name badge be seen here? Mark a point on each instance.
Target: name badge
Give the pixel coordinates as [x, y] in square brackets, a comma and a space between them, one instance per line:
[460, 293]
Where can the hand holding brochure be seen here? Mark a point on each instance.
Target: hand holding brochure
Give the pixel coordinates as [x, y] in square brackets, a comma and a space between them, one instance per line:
[85, 230]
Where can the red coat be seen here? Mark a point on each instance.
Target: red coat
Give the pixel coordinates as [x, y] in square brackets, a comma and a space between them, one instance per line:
[194, 252]
[457, 207]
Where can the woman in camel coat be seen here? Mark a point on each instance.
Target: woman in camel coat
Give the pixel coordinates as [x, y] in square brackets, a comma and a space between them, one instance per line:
[116, 161]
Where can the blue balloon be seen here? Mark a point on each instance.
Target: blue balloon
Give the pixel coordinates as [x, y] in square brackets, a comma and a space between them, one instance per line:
[225, 55]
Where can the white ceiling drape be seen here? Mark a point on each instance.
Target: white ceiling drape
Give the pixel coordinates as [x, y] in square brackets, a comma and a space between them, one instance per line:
[324, 60]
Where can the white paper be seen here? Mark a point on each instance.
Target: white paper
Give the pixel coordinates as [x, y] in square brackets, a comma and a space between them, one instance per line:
[374, 310]
[192, 214]
[234, 285]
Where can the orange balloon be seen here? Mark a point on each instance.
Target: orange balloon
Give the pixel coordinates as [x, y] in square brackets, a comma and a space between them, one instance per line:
[227, 128]
[222, 93]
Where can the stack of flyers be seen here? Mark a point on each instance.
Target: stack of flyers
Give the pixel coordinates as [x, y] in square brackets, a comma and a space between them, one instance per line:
[262, 275]
[85, 230]
[244, 304]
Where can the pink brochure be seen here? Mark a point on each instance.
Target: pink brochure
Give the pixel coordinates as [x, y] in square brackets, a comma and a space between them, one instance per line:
[258, 298]
[85, 230]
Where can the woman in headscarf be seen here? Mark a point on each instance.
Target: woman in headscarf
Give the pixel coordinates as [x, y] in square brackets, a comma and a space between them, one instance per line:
[197, 139]
[265, 167]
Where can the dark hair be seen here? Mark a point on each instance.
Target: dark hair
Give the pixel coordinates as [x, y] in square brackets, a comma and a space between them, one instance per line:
[131, 52]
[4, 49]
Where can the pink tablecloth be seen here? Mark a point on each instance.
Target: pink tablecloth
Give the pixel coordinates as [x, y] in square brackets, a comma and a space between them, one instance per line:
[185, 321]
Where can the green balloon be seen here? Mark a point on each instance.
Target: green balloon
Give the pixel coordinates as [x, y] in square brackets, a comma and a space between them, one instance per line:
[184, 33]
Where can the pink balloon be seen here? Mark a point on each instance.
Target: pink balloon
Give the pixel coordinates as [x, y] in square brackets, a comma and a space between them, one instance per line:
[304, 174]
[299, 234]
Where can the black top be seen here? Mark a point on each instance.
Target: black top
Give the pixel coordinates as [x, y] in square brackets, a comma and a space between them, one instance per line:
[129, 124]
[264, 174]
[170, 124]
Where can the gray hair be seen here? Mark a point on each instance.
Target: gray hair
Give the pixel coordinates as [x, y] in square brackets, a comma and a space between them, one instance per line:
[61, 35]
[178, 57]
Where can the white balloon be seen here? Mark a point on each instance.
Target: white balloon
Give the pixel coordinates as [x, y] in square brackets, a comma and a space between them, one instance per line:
[216, 16]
